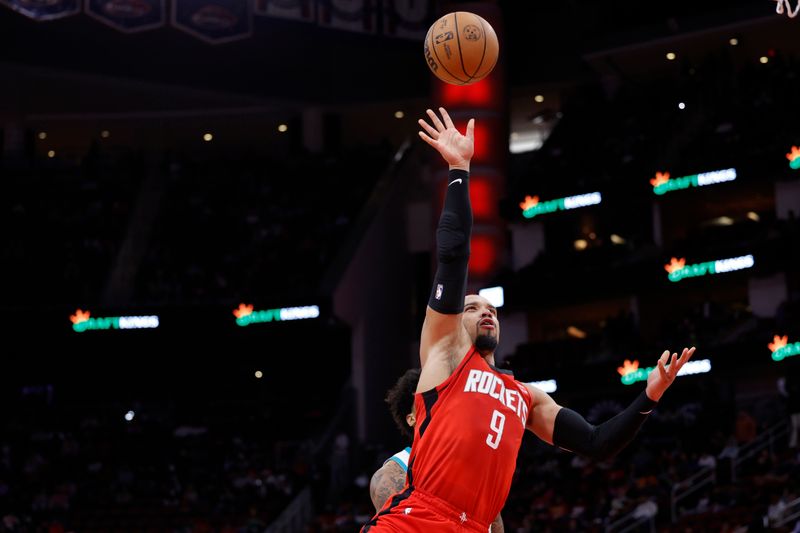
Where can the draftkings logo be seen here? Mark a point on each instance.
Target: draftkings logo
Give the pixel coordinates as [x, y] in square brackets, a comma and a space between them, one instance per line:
[794, 157]
[246, 315]
[83, 321]
[781, 348]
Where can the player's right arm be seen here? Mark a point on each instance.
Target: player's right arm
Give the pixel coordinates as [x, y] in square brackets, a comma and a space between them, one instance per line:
[386, 481]
[497, 526]
[442, 332]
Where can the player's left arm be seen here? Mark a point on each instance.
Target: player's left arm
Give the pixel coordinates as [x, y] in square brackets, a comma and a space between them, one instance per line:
[497, 526]
[567, 429]
[386, 481]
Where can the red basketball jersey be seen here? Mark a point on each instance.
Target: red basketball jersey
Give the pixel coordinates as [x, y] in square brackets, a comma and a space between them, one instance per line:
[467, 436]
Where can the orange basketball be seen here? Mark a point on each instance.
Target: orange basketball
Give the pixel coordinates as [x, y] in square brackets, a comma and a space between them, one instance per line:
[461, 48]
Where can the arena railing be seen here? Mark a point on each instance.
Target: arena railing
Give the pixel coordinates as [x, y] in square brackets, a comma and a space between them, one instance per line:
[791, 513]
[766, 440]
[296, 515]
[682, 489]
[630, 522]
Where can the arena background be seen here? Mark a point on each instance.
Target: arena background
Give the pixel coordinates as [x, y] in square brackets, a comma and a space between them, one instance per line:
[217, 224]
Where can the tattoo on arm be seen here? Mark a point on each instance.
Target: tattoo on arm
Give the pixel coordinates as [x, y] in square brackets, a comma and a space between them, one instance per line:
[385, 483]
[497, 525]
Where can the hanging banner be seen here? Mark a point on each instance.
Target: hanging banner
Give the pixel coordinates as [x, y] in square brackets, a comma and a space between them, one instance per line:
[352, 15]
[407, 19]
[214, 21]
[128, 16]
[303, 10]
[44, 9]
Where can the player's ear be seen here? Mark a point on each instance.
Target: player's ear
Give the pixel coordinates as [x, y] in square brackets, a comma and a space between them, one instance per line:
[411, 419]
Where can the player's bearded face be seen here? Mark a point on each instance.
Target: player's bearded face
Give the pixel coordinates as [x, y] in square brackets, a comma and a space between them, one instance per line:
[486, 344]
[480, 321]
[486, 335]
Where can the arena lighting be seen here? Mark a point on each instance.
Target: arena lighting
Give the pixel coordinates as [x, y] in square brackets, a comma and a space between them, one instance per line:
[129, 415]
[678, 269]
[781, 349]
[83, 321]
[631, 373]
[532, 206]
[549, 386]
[245, 315]
[578, 333]
[495, 295]
[663, 184]
[794, 157]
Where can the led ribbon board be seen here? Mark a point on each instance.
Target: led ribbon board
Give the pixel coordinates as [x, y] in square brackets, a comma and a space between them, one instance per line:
[663, 184]
[532, 207]
[549, 385]
[83, 321]
[781, 349]
[678, 269]
[631, 373]
[245, 315]
[794, 157]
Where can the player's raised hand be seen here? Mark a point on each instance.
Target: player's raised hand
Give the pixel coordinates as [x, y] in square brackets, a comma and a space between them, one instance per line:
[662, 377]
[455, 148]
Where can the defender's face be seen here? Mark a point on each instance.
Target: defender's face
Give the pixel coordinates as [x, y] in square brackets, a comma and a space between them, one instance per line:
[480, 318]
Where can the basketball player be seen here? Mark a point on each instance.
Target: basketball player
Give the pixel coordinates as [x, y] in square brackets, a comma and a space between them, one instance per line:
[391, 477]
[470, 415]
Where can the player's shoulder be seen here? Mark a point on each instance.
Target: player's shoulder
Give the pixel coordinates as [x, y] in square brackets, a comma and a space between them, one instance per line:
[400, 459]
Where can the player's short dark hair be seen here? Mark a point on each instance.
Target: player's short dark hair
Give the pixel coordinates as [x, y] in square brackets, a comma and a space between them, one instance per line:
[401, 399]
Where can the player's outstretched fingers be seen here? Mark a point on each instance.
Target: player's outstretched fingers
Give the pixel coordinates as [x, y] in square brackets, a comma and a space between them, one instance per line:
[447, 120]
[427, 139]
[436, 121]
[662, 370]
[429, 129]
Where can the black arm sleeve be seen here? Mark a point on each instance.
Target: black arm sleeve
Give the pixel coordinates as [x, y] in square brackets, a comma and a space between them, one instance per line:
[452, 247]
[572, 432]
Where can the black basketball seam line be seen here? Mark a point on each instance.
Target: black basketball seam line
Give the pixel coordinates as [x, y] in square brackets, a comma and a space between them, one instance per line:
[496, 59]
[483, 55]
[460, 53]
[442, 64]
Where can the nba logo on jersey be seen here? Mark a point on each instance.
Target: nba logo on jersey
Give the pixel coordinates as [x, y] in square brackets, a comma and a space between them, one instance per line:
[439, 289]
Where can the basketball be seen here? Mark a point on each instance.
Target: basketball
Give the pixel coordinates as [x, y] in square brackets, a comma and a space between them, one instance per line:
[461, 48]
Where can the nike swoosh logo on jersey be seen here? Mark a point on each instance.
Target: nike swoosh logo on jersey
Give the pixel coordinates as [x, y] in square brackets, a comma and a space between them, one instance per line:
[454, 181]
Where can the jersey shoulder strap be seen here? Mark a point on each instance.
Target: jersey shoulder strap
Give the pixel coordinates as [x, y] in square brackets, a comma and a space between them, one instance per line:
[400, 458]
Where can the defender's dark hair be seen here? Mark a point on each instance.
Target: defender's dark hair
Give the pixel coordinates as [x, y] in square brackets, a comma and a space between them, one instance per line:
[401, 399]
